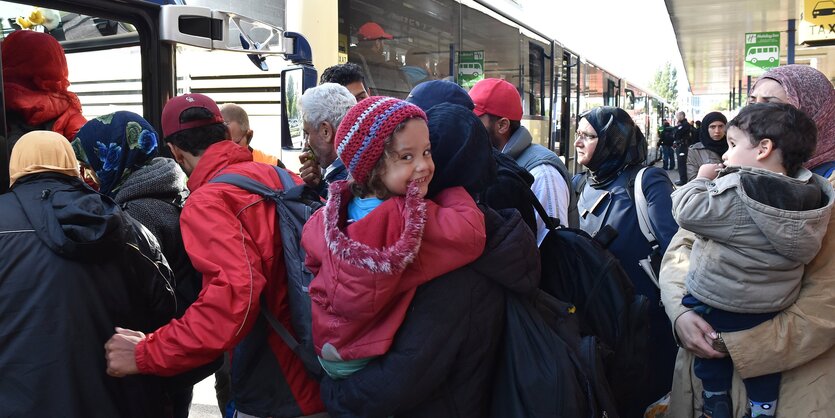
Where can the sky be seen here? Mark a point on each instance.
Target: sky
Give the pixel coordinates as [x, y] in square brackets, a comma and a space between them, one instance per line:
[630, 38]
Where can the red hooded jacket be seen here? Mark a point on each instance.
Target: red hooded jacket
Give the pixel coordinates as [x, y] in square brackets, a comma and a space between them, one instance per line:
[35, 82]
[366, 273]
[232, 238]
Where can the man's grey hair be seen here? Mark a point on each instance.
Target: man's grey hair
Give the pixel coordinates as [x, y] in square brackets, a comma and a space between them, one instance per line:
[328, 102]
[680, 115]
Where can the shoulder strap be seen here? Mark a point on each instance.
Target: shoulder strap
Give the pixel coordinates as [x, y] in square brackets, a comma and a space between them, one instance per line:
[254, 186]
[641, 208]
[310, 362]
[551, 223]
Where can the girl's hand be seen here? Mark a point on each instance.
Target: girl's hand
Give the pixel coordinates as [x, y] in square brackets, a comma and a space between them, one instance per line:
[710, 171]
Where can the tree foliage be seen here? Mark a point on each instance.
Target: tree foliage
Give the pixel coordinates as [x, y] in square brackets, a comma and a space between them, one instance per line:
[665, 83]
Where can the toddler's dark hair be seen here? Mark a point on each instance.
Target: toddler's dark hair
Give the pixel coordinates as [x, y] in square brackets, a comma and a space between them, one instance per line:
[792, 131]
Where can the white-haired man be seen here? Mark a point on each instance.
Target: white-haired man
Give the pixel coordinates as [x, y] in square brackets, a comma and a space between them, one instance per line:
[323, 108]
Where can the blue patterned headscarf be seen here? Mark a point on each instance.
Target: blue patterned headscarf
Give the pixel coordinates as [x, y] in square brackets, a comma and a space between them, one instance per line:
[115, 146]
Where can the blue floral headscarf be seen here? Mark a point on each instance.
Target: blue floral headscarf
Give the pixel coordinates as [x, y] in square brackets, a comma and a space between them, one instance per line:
[115, 146]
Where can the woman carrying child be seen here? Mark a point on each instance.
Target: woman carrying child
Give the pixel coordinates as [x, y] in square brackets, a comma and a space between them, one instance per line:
[378, 238]
[758, 219]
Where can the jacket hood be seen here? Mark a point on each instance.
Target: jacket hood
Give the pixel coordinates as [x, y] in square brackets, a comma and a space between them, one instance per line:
[461, 150]
[390, 260]
[511, 256]
[805, 201]
[73, 220]
[519, 141]
[161, 178]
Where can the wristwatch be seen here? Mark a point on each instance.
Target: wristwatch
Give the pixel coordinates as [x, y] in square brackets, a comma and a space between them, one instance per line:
[719, 344]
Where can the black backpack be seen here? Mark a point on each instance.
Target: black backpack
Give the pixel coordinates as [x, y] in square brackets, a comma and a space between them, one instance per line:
[578, 269]
[545, 368]
[294, 205]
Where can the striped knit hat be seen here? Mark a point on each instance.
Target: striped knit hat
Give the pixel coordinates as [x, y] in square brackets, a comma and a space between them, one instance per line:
[361, 135]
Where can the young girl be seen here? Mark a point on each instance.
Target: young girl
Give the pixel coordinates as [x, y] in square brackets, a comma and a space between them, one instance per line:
[378, 239]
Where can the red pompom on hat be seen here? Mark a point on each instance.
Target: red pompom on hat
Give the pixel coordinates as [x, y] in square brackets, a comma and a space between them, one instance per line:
[360, 138]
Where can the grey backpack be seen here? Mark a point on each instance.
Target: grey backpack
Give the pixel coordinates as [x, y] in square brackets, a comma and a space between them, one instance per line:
[294, 205]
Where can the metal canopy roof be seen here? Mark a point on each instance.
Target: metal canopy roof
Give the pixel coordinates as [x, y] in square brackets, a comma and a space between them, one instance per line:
[711, 39]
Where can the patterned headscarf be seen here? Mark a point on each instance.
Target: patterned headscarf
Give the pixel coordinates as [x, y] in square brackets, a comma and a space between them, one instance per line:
[619, 144]
[115, 145]
[810, 91]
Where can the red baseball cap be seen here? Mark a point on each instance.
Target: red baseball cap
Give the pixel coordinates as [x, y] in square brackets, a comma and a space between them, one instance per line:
[496, 97]
[171, 123]
[371, 31]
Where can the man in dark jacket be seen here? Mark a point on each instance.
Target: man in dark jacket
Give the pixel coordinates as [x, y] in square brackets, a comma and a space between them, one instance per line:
[684, 136]
[440, 363]
[73, 267]
[232, 238]
[668, 152]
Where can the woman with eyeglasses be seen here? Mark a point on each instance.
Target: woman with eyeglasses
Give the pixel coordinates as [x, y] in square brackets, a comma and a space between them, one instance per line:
[614, 150]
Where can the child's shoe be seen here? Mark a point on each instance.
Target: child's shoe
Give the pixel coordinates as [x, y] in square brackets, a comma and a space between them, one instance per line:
[716, 406]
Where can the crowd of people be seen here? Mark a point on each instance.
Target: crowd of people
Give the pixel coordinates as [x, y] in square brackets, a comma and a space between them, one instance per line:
[127, 277]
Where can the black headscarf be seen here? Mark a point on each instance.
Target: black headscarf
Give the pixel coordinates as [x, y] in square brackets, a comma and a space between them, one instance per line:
[719, 147]
[461, 150]
[619, 144]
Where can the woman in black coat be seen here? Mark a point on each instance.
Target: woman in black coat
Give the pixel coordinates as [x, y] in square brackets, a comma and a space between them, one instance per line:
[442, 361]
[73, 266]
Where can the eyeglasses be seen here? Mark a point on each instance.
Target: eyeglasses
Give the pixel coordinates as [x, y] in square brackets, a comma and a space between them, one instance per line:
[585, 136]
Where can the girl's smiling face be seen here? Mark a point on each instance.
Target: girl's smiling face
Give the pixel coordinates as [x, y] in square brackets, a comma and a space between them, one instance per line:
[409, 159]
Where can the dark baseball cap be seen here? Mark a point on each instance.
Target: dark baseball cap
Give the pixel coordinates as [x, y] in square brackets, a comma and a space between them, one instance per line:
[430, 93]
[171, 120]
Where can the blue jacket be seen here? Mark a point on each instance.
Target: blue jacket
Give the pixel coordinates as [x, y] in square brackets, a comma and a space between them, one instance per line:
[617, 209]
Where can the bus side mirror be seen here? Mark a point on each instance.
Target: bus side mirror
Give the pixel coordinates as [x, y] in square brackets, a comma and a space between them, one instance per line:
[294, 82]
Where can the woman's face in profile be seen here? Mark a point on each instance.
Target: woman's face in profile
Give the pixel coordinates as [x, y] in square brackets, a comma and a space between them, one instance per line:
[585, 142]
[768, 91]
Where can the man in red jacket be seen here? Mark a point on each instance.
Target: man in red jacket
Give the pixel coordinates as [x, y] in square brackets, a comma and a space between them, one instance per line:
[232, 238]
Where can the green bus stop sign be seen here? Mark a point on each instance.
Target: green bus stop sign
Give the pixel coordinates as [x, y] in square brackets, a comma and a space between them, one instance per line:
[762, 52]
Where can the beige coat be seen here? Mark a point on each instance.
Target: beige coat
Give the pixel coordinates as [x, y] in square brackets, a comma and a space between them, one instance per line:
[799, 342]
[698, 156]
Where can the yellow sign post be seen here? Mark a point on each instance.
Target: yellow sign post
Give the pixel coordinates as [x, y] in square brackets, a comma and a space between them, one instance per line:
[817, 23]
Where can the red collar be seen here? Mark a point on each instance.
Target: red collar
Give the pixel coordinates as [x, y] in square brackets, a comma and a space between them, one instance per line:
[217, 157]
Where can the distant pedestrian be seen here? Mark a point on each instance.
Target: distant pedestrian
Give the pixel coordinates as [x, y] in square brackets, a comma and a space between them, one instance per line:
[683, 140]
[668, 152]
[711, 146]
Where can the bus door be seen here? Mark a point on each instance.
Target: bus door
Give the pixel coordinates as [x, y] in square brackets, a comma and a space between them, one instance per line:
[123, 55]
